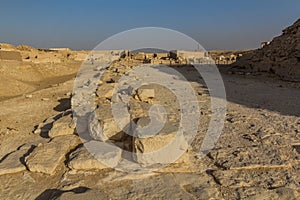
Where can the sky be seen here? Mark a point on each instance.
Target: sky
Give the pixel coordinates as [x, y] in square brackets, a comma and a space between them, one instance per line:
[231, 24]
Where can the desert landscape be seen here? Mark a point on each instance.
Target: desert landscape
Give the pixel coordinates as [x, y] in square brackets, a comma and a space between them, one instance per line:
[44, 155]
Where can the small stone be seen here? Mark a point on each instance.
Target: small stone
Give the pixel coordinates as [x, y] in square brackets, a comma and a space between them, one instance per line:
[28, 96]
[45, 99]
[100, 82]
[37, 131]
[139, 109]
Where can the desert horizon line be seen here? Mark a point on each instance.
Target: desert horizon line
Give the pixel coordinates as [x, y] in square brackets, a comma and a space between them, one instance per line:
[66, 47]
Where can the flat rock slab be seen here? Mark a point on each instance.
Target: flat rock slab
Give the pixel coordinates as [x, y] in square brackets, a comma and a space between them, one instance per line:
[12, 163]
[63, 126]
[46, 157]
[108, 153]
[160, 149]
[81, 159]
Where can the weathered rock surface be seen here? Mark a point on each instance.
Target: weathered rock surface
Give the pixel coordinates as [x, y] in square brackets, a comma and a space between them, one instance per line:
[265, 156]
[184, 164]
[145, 95]
[138, 109]
[12, 163]
[46, 157]
[63, 126]
[159, 149]
[81, 159]
[106, 90]
[109, 154]
[103, 126]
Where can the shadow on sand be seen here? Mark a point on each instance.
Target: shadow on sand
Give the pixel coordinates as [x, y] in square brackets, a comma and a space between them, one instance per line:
[55, 193]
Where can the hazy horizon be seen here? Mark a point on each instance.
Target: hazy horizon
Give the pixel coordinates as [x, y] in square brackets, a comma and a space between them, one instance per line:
[230, 25]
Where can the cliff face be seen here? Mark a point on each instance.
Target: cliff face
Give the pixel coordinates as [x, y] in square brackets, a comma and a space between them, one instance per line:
[281, 56]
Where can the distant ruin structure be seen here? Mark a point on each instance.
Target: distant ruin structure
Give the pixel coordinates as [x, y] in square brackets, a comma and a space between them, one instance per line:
[10, 55]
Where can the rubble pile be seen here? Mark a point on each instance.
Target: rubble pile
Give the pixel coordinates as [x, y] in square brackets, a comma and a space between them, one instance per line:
[281, 56]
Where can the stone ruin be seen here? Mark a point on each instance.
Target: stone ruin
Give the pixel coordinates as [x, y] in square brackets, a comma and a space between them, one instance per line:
[281, 56]
[9, 52]
[174, 57]
[10, 55]
[64, 147]
[140, 103]
[226, 57]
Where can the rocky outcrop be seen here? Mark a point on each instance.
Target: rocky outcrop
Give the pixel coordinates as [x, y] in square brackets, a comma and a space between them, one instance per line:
[46, 157]
[281, 56]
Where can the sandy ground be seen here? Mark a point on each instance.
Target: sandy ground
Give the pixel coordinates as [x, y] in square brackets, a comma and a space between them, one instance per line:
[257, 155]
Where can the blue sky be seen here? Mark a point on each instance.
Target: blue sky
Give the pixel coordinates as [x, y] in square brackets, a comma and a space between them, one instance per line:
[231, 24]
